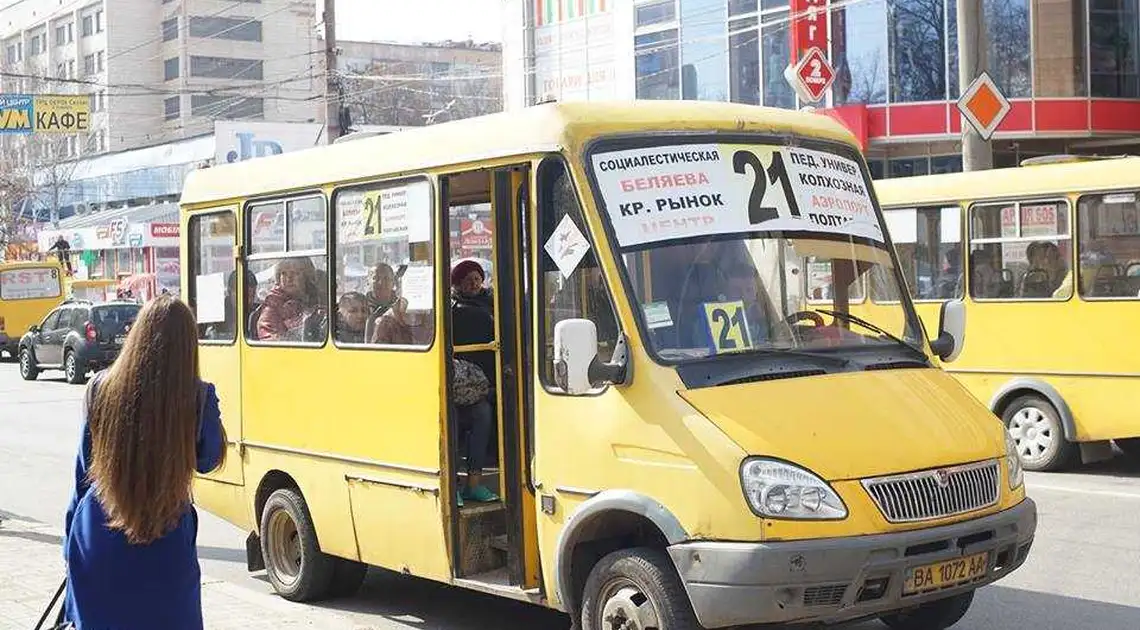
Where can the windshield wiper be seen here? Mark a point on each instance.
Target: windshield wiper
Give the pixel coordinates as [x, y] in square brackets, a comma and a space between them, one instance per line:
[855, 319]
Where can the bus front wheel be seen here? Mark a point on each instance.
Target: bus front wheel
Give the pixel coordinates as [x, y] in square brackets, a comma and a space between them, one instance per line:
[1036, 429]
[636, 589]
[297, 568]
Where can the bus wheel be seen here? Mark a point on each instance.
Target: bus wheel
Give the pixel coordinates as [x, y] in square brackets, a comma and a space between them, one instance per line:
[294, 563]
[936, 615]
[1036, 428]
[636, 589]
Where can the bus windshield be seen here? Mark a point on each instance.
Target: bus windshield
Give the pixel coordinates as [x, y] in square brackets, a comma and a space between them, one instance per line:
[751, 247]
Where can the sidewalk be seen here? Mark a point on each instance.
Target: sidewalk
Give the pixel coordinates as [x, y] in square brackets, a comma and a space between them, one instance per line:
[31, 568]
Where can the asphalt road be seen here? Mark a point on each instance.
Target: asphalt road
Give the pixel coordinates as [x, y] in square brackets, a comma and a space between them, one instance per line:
[1083, 572]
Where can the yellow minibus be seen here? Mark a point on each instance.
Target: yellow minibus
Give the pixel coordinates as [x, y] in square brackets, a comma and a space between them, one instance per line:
[28, 291]
[1052, 250]
[652, 429]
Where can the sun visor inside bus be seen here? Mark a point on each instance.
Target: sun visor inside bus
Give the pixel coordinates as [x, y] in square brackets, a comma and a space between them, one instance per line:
[839, 250]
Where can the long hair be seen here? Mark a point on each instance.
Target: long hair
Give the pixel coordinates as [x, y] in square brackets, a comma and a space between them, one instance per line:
[144, 424]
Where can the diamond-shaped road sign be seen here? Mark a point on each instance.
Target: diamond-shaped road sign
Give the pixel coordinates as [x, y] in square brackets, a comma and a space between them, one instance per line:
[984, 106]
[811, 76]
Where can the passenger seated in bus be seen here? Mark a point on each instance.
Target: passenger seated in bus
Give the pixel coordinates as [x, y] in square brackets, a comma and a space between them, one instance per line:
[473, 322]
[950, 280]
[985, 282]
[1048, 275]
[351, 317]
[383, 290]
[293, 302]
[225, 329]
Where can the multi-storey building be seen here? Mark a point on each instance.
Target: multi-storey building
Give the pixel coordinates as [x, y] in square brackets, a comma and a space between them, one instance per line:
[161, 70]
[1071, 68]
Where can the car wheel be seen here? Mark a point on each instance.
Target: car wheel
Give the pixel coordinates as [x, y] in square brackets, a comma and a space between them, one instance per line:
[1036, 429]
[636, 589]
[76, 374]
[936, 615]
[298, 570]
[28, 369]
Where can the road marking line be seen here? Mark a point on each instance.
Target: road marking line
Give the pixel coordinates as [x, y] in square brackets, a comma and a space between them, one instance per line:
[1100, 493]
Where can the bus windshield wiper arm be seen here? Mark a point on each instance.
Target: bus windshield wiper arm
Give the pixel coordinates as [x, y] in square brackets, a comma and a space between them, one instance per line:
[855, 319]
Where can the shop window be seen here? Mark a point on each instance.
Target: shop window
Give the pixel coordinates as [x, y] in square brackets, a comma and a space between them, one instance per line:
[287, 259]
[929, 246]
[744, 61]
[918, 50]
[657, 65]
[776, 53]
[1108, 245]
[385, 275]
[656, 12]
[859, 51]
[1008, 58]
[704, 58]
[1020, 250]
[1114, 48]
[213, 275]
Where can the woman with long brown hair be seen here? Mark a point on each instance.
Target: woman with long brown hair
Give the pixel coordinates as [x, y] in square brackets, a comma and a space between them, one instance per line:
[149, 423]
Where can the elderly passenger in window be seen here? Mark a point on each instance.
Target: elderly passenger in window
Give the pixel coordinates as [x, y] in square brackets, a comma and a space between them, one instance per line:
[292, 303]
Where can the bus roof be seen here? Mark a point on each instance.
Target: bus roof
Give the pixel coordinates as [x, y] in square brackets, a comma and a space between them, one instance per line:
[27, 264]
[1042, 180]
[543, 128]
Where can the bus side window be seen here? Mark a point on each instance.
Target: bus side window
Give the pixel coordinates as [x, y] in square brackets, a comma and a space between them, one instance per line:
[581, 294]
[1108, 245]
[213, 275]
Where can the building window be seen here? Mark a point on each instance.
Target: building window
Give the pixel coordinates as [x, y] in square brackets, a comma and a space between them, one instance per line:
[100, 63]
[170, 69]
[744, 61]
[1020, 250]
[37, 45]
[1109, 245]
[71, 68]
[1059, 67]
[397, 261]
[61, 35]
[656, 12]
[776, 53]
[287, 243]
[741, 7]
[918, 50]
[658, 71]
[226, 68]
[88, 25]
[908, 167]
[88, 64]
[99, 21]
[213, 27]
[170, 29]
[1007, 28]
[211, 106]
[1114, 47]
[703, 56]
[12, 55]
[929, 246]
[940, 164]
[859, 51]
[172, 107]
[213, 275]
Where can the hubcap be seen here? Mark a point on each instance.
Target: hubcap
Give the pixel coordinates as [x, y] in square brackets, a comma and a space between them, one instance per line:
[626, 607]
[25, 362]
[284, 547]
[1033, 433]
[71, 366]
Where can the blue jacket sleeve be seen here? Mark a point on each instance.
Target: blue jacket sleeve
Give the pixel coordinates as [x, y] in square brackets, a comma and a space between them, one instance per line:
[211, 438]
[82, 459]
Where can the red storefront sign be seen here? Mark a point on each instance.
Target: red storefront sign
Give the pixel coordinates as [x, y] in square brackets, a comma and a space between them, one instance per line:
[474, 234]
[164, 230]
[810, 19]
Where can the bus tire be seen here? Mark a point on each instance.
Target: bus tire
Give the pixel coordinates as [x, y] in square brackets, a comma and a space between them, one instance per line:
[624, 582]
[1036, 427]
[348, 576]
[936, 615]
[294, 563]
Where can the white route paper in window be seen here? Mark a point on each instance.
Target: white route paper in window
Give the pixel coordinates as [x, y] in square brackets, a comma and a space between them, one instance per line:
[567, 246]
[210, 295]
[415, 287]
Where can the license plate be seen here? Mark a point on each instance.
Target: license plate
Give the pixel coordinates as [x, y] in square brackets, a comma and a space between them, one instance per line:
[120, 339]
[948, 573]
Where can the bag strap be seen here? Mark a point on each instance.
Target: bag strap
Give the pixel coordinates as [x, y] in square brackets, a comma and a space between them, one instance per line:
[47, 611]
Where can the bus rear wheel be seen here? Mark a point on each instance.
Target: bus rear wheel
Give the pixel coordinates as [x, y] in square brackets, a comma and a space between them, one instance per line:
[1036, 429]
[636, 589]
[297, 568]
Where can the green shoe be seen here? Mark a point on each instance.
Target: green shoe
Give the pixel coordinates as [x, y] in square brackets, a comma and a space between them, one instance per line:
[480, 494]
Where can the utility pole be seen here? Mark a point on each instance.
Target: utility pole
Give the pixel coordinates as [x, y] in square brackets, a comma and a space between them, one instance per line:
[977, 154]
[332, 89]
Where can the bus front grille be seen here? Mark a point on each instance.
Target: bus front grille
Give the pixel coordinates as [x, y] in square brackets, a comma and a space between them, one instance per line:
[934, 494]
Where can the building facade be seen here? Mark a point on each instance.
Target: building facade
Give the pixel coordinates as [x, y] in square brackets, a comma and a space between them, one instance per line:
[160, 70]
[1071, 68]
[410, 85]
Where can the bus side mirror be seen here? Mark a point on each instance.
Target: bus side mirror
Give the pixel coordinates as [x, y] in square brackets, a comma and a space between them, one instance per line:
[577, 369]
[951, 331]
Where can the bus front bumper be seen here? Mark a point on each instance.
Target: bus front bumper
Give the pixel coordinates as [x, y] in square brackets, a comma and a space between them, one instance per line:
[836, 580]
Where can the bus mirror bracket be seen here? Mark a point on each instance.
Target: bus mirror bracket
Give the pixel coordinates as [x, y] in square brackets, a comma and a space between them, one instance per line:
[577, 369]
[951, 331]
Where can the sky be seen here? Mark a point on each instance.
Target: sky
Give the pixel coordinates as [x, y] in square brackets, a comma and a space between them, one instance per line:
[414, 21]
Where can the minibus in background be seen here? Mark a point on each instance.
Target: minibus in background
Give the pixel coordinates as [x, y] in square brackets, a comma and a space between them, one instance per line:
[1046, 257]
[683, 441]
[28, 291]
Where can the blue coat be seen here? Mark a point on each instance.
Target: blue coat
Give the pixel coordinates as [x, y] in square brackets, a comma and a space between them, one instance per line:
[114, 585]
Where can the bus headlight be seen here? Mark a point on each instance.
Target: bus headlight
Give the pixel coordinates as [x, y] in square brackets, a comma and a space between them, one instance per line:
[776, 489]
[1013, 463]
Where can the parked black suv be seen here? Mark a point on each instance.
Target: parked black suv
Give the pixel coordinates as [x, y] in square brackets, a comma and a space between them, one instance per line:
[77, 337]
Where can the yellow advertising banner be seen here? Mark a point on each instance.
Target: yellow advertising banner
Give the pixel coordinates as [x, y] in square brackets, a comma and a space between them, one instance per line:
[58, 113]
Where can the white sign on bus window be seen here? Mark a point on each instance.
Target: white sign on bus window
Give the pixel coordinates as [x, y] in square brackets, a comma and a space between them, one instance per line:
[30, 284]
[674, 192]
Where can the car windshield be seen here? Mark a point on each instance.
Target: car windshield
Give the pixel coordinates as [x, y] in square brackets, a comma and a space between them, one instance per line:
[752, 248]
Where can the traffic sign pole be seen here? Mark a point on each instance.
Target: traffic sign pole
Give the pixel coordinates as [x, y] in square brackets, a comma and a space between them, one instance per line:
[977, 153]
